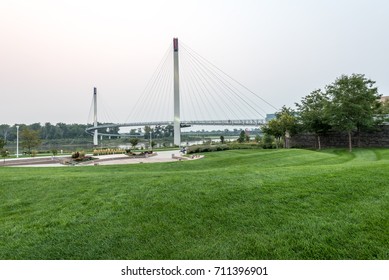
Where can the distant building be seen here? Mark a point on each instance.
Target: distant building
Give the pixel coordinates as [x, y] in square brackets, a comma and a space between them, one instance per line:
[384, 99]
[273, 116]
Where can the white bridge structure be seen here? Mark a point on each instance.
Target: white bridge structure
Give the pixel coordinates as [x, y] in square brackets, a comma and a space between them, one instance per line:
[207, 86]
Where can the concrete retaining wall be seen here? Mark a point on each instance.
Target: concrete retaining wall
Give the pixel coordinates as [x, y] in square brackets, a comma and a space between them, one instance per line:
[374, 138]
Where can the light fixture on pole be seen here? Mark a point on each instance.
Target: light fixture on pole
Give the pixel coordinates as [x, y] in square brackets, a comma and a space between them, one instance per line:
[17, 141]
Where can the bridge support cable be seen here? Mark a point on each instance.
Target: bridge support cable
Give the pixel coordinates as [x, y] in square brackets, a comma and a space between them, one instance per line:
[238, 89]
[210, 107]
[106, 114]
[141, 107]
[224, 91]
[195, 106]
[227, 92]
[211, 94]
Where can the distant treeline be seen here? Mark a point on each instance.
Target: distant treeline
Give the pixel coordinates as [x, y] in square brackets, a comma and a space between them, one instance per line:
[46, 131]
[50, 131]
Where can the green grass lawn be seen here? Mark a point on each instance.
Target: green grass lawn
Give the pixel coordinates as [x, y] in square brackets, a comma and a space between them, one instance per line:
[244, 204]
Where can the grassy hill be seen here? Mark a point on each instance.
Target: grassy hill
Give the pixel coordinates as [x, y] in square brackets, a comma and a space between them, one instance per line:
[245, 204]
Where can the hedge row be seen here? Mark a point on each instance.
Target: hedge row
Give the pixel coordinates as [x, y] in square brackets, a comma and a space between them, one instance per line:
[221, 147]
[99, 152]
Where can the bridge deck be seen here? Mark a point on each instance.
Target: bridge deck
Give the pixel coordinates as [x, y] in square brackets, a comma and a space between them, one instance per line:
[253, 122]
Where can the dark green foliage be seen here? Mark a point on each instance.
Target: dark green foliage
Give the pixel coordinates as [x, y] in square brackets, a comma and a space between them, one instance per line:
[206, 148]
[29, 139]
[242, 137]
[222, 147]
[313, 114]
[267, 141]
[2, 143]
[349, 104]
[134, 142]
[283, 126]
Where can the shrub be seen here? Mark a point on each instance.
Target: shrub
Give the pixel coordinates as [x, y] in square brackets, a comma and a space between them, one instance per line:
[238, 146]
[100, 152]
[206, 148]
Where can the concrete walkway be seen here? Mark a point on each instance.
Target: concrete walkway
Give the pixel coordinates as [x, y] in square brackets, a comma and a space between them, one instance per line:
[162, 156]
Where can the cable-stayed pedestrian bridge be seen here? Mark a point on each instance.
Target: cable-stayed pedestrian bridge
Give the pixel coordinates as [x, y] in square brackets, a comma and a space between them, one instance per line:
[188, 90]
[240, 123]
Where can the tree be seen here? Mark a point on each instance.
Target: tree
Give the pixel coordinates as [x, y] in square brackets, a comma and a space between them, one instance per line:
[257, 138]
[134, 142]
[30, 139]
[312, 114]
[283, 125]
[274, 128]
[2, 143]
[222, 139]
[267, 141]
[242, 137]
[4, 153]
[353, 103]
[4, 129]
[247, 137]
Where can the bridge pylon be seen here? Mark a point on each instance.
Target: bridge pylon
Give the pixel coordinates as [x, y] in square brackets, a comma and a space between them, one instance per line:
[95, 135]
[177, 121]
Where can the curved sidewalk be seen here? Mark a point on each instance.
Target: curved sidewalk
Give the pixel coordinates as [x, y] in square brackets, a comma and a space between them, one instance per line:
[161, 156]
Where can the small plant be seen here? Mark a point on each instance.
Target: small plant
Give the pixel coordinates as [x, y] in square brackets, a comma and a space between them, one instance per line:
[4, 153]
[75, 155]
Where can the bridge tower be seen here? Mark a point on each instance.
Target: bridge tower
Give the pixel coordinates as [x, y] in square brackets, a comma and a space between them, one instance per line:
[177, 121]
[95, 136]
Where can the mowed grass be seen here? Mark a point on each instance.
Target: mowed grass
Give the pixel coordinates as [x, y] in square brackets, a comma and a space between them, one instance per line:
[246, 204]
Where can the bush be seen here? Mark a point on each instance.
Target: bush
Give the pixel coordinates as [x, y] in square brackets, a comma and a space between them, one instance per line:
[206, 148]
[268, 142]
[222, 147]
[239, 146]
[100, 152]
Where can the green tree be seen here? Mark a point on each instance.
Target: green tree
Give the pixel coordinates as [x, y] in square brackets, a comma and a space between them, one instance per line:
[29, 139]
[354, 101]
[4, 129]
[2, 143]
[222, 139]
[283, 126]
[312, 114]
[242, 137]
[267, 141]
[134, 142]
[257, 138]
[4, 153]
[274, 128]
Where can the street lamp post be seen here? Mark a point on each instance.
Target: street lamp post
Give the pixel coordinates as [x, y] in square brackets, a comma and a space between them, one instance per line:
[17, 141]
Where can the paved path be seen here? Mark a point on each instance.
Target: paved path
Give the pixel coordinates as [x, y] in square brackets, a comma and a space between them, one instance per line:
[162, 156]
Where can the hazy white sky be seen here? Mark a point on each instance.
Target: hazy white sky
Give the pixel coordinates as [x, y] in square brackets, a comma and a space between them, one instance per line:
[52, 53]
